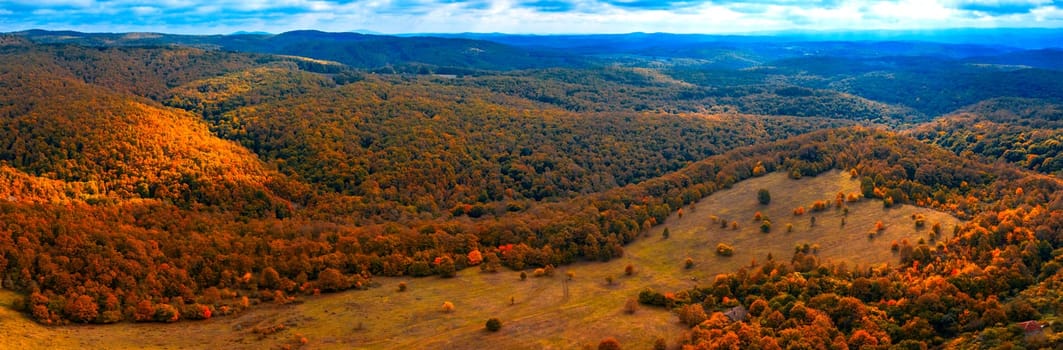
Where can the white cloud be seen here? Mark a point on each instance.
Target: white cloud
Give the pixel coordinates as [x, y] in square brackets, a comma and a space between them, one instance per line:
[582, 16]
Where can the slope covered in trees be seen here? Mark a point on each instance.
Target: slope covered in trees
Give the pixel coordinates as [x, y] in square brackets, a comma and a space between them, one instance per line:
[430, 148]
[1026, 132]
[112, 146]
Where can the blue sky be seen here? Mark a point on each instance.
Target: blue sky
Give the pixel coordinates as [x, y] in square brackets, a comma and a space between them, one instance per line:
[523, 16]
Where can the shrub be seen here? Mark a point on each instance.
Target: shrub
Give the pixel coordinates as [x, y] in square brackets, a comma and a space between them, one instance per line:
[166, 313]
[692, 314]
[82, 309]
[763, 196]
[448, 307]
[920, 220]
[402, 286]
[799, 211]
[759, 169]
[609, 344]
[666, 234]
[332, 279]
[820, 205]
[493, 324]
[853, 197]
[652, 298]
[523, 275]
[445, 266]
[539, 272]
[724, 250]
[688, 263]
[629, 269]
[765, 226]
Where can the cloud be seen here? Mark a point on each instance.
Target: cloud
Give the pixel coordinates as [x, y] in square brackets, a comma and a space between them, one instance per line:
[1002, 7]
[523, 16]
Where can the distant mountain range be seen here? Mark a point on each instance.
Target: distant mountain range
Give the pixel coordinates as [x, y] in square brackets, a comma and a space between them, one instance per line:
[492, 51]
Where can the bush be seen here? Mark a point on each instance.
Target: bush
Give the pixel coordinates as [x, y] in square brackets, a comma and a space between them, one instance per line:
[493, 324]
[920, 220]
[692, 314]
[609, 344]
[724, 250]
[166, 313]
[652, 298]
[688, 263]
[402, 286]
[629, 270]
[763, 196]
[765, 226]
[448, 307]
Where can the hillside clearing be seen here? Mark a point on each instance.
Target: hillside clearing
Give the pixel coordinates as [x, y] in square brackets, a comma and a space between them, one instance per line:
[538, 313]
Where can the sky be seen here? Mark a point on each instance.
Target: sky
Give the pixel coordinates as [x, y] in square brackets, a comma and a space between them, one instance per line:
[523, 16]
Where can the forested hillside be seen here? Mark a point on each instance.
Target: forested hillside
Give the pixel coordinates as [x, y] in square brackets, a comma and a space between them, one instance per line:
[162, 178]
[1026, 132]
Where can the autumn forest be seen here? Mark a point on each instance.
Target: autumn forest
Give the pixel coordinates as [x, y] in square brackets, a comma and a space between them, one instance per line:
[150, 179]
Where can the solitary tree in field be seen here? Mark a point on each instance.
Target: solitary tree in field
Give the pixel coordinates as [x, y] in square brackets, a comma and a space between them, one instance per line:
[493, 324]
[763, 196]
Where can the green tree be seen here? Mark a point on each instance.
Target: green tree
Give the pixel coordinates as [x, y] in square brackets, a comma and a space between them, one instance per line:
[493, 324]
[763, 196]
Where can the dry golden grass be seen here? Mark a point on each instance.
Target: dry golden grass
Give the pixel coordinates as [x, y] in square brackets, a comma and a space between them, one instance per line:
[541, 315]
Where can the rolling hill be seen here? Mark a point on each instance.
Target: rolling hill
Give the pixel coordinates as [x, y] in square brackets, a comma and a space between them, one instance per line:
[152, 178]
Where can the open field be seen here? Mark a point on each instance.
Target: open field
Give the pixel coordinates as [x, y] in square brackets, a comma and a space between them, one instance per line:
[537, 313]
